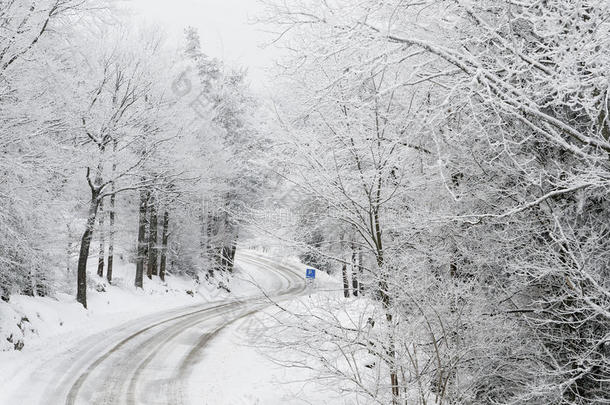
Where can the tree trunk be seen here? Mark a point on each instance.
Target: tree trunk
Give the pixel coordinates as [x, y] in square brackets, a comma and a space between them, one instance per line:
[354, 270]
[152, 239]
[394, 377]
[112, 217]
[164, 240]
[69, 251]
[384, 294]
[391, 351]
[345, 281]
[139, 282]
[360, 271]
[85, 244]
[453, 268]
[102, 250]
[232, 255]
[209, 251]
[220, 261]
[223, 258]
[111, 237]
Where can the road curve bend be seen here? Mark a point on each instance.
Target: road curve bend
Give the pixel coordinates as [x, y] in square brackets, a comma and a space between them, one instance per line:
[149, 361]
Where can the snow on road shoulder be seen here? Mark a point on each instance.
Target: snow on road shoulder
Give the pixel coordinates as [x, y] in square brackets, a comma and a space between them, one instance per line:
[39, 318]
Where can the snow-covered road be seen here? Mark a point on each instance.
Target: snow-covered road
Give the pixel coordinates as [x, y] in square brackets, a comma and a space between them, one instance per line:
[149, 360]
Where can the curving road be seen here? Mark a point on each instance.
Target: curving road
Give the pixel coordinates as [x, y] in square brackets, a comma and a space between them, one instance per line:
[150, 360]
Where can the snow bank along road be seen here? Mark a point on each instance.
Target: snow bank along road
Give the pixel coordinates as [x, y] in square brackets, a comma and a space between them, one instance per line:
[149, 360]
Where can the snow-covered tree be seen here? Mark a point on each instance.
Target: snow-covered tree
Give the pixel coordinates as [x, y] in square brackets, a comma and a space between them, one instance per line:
[494, 185]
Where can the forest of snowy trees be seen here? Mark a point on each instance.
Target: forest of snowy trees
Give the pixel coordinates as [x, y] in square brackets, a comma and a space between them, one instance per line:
[448, 161]
[113, 143]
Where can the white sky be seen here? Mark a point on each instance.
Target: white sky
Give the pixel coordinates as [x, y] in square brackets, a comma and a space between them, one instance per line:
[225, 27]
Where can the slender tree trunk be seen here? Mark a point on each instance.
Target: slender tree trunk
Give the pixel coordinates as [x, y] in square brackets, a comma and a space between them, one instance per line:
[453, 265]
[360, 271]
[112, 217]
[111, 237]
[69, 252]
[354, 270]
[391, 350]
[85, 244]
[152, 239]
[453, 268]
[232, 255]
[384, 293]
[220, 260]
[68, 258]
[164, 240]
[139, 282]
[102, 250]
[209, 250]
[345, 281]
[223, 258]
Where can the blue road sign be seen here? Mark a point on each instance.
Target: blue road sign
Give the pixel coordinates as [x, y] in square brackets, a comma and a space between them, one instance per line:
[310, 273]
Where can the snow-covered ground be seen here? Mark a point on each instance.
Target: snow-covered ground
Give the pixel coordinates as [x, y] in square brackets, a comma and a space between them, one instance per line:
[231, 368]
[35, 320]
[242, 366]
[241, 370]
[41, 326]
[31, 321]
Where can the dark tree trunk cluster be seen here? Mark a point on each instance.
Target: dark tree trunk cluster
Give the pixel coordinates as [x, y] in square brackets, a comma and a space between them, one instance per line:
[151, 256]
[355, 273]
